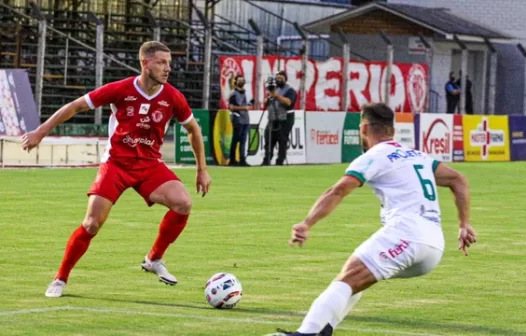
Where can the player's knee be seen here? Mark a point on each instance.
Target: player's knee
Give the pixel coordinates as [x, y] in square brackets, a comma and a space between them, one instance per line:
[182, 205]
[357, 276]
[92, 224]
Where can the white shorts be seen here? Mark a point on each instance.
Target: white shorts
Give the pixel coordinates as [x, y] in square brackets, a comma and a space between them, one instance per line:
[388, 254]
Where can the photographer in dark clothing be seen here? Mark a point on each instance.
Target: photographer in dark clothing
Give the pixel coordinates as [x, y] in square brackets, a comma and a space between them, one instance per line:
[240, 121]
[469, 94]
[452, 94]
[279, 103]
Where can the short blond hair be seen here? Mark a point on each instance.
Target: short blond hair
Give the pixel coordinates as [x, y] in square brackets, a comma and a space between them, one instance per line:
[148, 49]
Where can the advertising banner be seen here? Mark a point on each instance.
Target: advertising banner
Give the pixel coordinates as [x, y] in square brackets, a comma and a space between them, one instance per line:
[325, 136]
[222, 138]
[222, 132]
[458, 139]
[486, 138]
[366, 82]
[405, 130]
[435, 135]
[183, 149]
[351, 146]
[517, 128]
[18, 111]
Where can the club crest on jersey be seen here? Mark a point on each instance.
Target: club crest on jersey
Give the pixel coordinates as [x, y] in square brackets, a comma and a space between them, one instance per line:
[129, 111]
[157, 116]
[164, 103]
[144, 109]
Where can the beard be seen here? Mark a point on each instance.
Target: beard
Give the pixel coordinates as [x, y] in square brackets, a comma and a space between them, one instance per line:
[365, 145]
[159, 81]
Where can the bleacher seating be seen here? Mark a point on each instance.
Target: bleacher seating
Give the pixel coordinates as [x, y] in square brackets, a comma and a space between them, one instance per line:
[124, 32]
[125, 29]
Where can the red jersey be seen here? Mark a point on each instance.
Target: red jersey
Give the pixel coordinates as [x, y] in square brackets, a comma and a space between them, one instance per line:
[138, 121]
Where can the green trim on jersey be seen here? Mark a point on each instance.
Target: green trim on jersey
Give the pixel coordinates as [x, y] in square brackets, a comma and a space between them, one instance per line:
[435, 165]
[356, 174]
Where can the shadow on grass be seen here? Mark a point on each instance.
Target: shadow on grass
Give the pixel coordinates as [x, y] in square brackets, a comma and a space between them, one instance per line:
[446, 327]
[256, 311]
[456, 328]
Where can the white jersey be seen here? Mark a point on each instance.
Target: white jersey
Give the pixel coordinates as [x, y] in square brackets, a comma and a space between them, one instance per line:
[403, 180]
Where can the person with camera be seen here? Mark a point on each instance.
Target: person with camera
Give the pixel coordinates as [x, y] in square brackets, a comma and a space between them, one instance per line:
[279, 103]
[240, 121]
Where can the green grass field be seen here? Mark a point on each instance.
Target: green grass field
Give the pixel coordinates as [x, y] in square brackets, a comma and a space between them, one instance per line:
[242, 227]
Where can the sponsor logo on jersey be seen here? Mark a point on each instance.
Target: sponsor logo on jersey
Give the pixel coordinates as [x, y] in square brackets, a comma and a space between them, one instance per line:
[129, 111]
[438, 139]
[144, 123]
[485, 138]
[144, 108]
[403, 154]
[325, 137]
[132, 142]
[157, 116]
[130, 98]
[164, 103]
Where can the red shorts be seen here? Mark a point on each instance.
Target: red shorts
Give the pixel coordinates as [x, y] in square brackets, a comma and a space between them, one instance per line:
[112, 180]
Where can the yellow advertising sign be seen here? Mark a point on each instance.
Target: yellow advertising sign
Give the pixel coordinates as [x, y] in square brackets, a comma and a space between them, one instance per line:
[222, 137]
[486, 138]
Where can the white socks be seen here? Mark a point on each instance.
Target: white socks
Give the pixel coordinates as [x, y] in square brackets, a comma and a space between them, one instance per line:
[352, 302]
[331, 305]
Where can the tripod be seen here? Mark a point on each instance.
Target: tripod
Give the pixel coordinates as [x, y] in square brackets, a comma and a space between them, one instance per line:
[270, 129]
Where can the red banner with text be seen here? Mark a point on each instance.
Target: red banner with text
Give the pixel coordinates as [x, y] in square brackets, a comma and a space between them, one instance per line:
[366, 82]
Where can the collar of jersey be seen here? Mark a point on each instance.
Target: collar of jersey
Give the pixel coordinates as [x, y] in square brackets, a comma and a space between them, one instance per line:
[142, 93]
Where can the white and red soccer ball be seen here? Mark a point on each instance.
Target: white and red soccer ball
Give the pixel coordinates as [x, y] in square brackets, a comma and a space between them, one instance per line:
[223, 290]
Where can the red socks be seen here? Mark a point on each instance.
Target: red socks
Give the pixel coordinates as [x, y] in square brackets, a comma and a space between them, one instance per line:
[171, 227]
[77, 245]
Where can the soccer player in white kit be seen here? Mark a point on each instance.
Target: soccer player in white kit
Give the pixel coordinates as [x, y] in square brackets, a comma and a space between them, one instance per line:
[410, 242]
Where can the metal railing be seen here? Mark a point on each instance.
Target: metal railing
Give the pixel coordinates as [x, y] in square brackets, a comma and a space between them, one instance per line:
[205, 35]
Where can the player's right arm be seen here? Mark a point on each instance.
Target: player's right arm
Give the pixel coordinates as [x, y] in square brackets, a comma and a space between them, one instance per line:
[31, 139]
[446, 176]
[101, 96]
[359, 171]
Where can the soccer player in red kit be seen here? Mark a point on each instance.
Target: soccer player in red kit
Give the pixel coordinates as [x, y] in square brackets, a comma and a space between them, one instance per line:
[142, 107]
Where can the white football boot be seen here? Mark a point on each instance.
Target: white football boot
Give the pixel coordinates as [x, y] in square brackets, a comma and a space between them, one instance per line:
[55, 288]
[158, 267]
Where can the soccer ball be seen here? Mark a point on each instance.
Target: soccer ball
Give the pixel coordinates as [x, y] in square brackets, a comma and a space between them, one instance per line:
[223, 290]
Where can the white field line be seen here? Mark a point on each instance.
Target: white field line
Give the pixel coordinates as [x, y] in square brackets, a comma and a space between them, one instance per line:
[198, 317]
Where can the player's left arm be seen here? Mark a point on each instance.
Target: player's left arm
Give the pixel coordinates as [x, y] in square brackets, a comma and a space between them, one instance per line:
[446, 176]
[195, 137]
[184, 116]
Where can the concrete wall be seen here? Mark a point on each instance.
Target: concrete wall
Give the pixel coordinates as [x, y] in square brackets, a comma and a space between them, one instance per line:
[372, 47]
[505, 16]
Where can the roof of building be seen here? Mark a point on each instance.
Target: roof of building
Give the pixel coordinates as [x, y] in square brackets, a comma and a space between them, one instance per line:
[439, 20]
